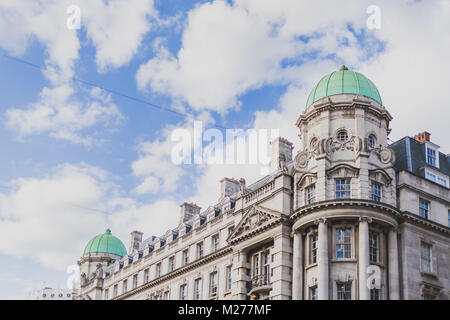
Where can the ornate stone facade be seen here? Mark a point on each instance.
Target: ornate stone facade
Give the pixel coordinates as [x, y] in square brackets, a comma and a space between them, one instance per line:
[330, 223]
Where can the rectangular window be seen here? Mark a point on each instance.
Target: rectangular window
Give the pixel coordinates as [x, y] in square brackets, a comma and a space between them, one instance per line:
[215, 242]
[230, 230]
[313, 293]
[426, 257]
[313, 250]
[256, 267]
[442, 181]
[228, 278]
[343, 243]
[158, 270]
[107, 294]
[310, 194]
[265, 268]
[124, 286]
[431, 157]
[374, 247]
[375, 294]
[213, 284]
[199, 250]
[183, 292]
[430, 176]
[145, 275]
[171, 263]
[185, 257]
[424, 208]
[115, 291]
[376, 192]
[135, 281]
[198, 289]
[344, 290]
[342, 188]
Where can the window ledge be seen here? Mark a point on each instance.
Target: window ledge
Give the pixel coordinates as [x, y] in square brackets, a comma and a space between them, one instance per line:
[379, 264]
[428, 274]
[344, 260]
[309, 266]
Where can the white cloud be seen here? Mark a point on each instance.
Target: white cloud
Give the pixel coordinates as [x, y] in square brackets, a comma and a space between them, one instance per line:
[116, 29]
[411, 74]
[155, 167]
[230, 49]
[51, 219]
[60, 114]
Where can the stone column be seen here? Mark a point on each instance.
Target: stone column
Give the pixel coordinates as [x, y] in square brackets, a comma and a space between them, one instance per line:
[394, 287]
[239, 277]
[297, 267]
[322, 260]
[364, 259]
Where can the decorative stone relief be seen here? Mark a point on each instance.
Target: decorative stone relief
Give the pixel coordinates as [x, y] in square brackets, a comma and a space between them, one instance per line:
[342, 170]
[306, 179]
[385, 155]
[282, 163]
[301, 160]
[253, 219]
[380, 176]
[354, 143]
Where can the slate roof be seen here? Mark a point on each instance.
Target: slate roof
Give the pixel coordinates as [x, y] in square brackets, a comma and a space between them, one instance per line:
[410, 156]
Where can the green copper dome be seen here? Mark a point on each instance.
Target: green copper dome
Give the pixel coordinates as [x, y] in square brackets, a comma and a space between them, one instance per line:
[341, 82]
[105, 243]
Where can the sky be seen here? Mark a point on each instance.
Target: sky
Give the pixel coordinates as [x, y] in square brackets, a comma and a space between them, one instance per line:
[87, 115]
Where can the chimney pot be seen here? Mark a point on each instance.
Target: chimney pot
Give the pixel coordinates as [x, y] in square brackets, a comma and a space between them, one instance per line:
[423, 136]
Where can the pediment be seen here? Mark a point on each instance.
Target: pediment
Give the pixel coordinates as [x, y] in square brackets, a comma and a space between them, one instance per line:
[255, 219]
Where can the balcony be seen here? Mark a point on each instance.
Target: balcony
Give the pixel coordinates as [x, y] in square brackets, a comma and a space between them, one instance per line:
[260, 285]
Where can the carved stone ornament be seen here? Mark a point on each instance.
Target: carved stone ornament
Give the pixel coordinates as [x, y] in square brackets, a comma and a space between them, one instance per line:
[385, 155]
[354, 143]
[253, 219]
[301, 160]
[282, 163]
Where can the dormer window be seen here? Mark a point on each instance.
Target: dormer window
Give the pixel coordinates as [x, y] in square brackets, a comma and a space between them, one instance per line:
[431, 157]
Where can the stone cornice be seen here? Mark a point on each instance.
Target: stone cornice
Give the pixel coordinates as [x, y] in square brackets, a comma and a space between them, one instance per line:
[177, 272]
[418, 220]
[348, 203]
[319, 107]
[420, 191]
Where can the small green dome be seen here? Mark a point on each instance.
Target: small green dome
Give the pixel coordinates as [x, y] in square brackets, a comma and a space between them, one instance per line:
[341, 82]
[105, 243]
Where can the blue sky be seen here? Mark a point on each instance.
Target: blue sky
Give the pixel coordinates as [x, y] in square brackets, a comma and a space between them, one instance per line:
[77, 159]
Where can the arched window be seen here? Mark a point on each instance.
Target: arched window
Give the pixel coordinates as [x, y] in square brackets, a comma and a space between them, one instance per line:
[342, 135]
[313, 144]
[372, 140]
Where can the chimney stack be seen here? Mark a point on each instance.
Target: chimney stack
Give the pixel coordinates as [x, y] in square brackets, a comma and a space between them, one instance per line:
[423, 136]
[281, 147]
[228, 187]
[188, 211]
[136, 240]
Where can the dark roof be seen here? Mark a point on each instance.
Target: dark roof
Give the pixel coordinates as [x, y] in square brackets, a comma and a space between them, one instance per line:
[410, 156]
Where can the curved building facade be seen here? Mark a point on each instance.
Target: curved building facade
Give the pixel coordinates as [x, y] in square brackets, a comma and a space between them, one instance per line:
[347, 217]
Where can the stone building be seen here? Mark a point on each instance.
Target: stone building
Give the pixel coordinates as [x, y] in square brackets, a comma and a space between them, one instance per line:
[347, 217]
